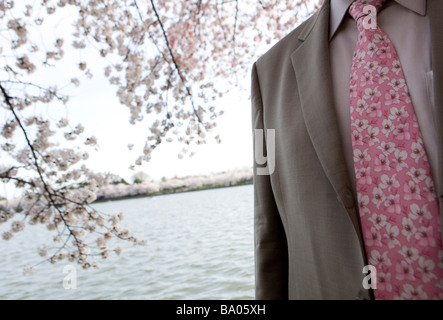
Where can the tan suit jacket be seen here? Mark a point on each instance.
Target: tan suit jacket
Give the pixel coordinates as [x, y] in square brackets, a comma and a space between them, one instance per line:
[308, 242]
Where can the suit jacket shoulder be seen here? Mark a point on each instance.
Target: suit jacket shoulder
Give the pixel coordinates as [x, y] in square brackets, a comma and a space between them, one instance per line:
[284, 47]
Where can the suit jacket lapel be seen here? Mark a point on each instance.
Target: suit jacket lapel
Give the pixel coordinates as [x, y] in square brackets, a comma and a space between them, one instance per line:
[311, 63]
[435, 10]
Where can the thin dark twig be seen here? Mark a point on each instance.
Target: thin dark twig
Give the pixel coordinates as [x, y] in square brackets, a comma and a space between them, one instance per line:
[19, 180]
[61, 98]
[262, 4]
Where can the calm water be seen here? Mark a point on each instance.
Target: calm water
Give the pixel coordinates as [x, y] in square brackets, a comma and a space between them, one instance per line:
[200, 246]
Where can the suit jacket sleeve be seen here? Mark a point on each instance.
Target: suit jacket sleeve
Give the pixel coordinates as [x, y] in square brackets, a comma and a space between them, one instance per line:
[271, 251]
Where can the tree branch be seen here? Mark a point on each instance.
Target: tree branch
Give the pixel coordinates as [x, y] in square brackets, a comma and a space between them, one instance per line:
[235, 31]
[31, 147]
[174, 61]
[48, 196]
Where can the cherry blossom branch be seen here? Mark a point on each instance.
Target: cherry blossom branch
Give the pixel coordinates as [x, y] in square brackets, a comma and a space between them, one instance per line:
[49, 195]
[175, 62]
[17, 118]
[234, 32]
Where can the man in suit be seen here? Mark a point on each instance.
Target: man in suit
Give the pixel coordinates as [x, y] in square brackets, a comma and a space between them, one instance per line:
[309, 242]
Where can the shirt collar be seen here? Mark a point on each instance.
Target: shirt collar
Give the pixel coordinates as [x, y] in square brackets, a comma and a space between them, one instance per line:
[340, 7]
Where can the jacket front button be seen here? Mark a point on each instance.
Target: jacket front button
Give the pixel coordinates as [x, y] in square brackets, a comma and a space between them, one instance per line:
[346, 199]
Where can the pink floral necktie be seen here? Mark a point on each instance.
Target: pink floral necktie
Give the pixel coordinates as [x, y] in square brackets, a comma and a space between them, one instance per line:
[397, 202]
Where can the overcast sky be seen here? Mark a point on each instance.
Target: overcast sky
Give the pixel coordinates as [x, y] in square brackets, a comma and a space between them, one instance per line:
[97, 107]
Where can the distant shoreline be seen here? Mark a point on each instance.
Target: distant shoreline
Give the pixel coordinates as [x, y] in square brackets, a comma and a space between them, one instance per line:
[174, 190]
[121, 190]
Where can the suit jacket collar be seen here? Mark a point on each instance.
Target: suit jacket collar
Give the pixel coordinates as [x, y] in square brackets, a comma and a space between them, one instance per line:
[310, 60]
[311, 64]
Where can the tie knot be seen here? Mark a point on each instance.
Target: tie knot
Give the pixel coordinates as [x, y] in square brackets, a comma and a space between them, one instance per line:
[363, 8]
